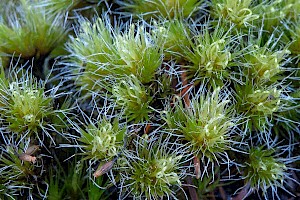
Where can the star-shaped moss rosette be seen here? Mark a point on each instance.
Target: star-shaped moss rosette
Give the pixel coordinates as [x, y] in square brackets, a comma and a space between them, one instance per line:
[207, 125]
[99, 52]
[258, 104]
[264, 65]
[153, 167]
[132, 99]
[28, 31]
[209, 55]
[92, 54]
[263, 170]
[264, 59]
[174, 35]
[267, 172]
[139, 51]
[28, 107]
[102, 140]
[237, 12]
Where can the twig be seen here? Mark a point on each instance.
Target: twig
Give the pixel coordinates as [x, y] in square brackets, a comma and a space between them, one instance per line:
[222, 193]
[184, 91]
[212, 195]
[192, 190]
[197, 167]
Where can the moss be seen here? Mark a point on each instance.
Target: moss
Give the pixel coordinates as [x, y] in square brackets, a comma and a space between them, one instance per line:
[152, 99]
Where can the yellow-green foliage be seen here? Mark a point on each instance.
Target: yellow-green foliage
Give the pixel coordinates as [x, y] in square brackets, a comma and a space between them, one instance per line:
[206, 124]
[151, 170]
[238, 12]
[210, 55]
[264, 64]
[149, 99]
[101, 53]
[28, 106]
[264, 170]
[174, 35]
[102, 141]
[133, 99]
[139, 52]
[258, 103]
[161, 8]
[29, 31]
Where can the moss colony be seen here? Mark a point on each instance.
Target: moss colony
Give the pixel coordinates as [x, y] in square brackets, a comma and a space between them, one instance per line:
[149, 99]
